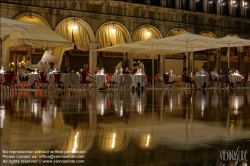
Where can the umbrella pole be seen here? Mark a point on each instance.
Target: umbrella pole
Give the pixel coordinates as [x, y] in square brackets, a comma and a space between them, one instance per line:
[152, 56]
[228, 56]
[153, 89]
[1, 52]
[187, 55]
[192, 56]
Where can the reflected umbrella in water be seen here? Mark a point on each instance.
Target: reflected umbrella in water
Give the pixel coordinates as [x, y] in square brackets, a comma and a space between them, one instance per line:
[80, 139]
[235, 102]
[101, 103]
[2, 116]
[113, 140]
[147, 141]
[139, 101]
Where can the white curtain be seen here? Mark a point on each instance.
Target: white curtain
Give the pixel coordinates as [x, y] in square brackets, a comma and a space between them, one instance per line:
[144, 34]
[32, 20]
[111, 35]
[79, 34]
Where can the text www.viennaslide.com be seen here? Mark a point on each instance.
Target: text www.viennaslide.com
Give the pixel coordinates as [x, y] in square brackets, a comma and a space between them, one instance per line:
[42, 161]
[42, 157]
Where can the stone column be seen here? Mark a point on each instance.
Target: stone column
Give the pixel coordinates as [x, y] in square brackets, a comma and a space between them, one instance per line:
[208, 60]
[93, 56]
[131, 59]
[218, 61]
[29, 52]
[241, 61]
[192, 61]
[161, 66]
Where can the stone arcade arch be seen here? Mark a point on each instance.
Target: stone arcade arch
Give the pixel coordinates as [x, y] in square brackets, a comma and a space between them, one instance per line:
[176, 31]
[109, 34]
[32, 18]
[77, 31]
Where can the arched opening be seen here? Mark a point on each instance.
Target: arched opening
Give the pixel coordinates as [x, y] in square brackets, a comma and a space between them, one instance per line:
[235, 7]
[112, 33]
[78, 31]
[198, 5]
[211, 6]
[146, 32]
[176, 31]
[33, 19]
[224, 7]
[245, 7]
[171, 3]
[184, 4]
[109, 34]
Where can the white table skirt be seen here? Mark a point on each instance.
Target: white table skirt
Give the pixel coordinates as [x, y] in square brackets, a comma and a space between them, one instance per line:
[2, 79]
[50, 78]
[142, 79]
[172, 78]
[100, 79]
[70, 79]
[32, 78]
[123, 78]
[199, 80]
[234, 78]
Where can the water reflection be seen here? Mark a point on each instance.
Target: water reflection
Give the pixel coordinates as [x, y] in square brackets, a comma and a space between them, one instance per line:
[2, 116]
[121, 122]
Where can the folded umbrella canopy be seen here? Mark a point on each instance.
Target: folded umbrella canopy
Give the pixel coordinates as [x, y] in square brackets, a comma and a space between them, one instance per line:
[9, 26]
[38, 37]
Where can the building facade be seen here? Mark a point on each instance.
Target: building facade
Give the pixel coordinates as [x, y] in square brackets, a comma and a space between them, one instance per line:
[96, 24]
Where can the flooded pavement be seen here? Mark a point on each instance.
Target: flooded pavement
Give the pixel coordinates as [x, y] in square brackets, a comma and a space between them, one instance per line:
[176, 127]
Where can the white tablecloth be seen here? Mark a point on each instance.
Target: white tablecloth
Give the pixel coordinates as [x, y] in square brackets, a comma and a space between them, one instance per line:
[32, 78]
[200, 79]
[235, 78]
[100, 79]
[2, 79]
[172, 78]
[50, 78]
[142, 79]
[123, 78]
[70, 79]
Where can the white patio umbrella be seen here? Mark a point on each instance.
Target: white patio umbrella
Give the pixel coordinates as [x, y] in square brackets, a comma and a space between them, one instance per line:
[187, 42]
[9, 26]
[231, 41]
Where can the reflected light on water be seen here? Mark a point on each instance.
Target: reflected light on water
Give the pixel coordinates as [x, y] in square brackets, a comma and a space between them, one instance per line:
[121, 109]
[75, 143]
[113, 141]
[203, 104]
[139, 106]
[236, 103]
[148, 140]
[100, 107]
[34, 108]
[2, 116]
[55, 111]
